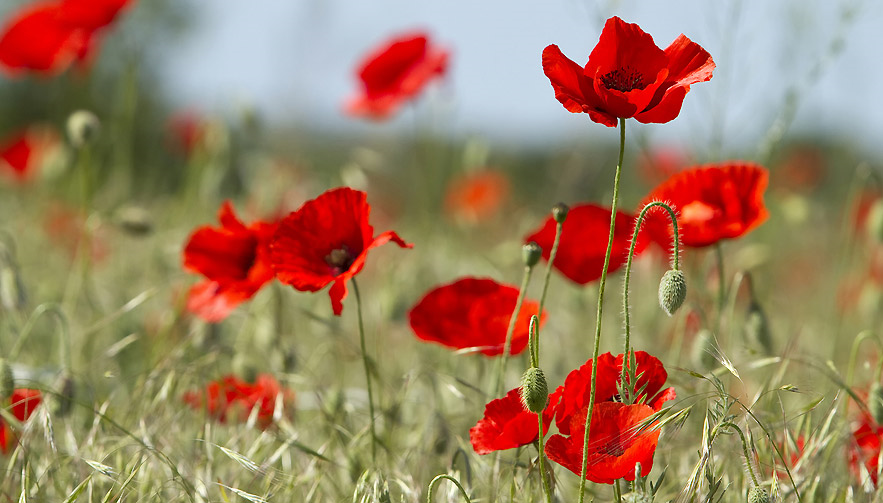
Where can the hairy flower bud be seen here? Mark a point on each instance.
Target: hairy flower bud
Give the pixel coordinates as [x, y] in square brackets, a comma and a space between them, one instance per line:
[82, 128]
[875, 402]
[534, 390]
[758, 495]
[559, 212]
[757, 327]
[7, 380]
[531, 253]
[672, 291]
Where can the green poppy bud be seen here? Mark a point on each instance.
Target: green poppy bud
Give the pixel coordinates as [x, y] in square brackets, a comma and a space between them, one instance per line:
[875, 402]
[534, 390]
[82, 128]
[757, 327]
[672, 291]
[7, 380]
[531, 253]
[559, 212]
[758, 495]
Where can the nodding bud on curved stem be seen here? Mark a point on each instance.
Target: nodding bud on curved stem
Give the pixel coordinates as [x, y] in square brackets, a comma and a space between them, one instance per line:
[672, 291]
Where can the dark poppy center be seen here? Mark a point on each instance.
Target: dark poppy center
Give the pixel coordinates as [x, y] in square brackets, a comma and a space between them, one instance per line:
[613, 449]
[623, 79]
[340, 259]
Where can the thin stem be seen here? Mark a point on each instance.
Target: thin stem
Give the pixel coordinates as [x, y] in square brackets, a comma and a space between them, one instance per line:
[552, 254]
[721, 287]
[437, 479]
[748, 461]
[856, 343]
[546, 488]
[617, 491]
[601, 285]
[507, 346]
[367, 372]
[628, 271]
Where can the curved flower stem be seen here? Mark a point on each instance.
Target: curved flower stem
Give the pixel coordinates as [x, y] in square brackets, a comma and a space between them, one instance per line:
[367, 372]
[864, 335]
[437, 479]
[748, 461]
[552, 254]
[507, 346]
[628, 272]
[534, 350]
[601, 285]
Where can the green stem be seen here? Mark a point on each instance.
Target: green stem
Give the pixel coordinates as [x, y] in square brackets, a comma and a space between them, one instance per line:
[552, 254]
[628, 273]
[748, 460]
[437, 479]
[542, 454]
[602, 284]
[507, 345]
[617, 491]
[856, 343]
[721, 287]
[367, 372]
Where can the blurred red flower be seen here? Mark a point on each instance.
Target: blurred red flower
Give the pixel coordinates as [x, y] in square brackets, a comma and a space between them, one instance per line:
[231, 398]
[473, 313]
[23, 403]
[714, 202]
[658, 164]
[569, 399]
[627, 75]
[506, 425]
[186, 130]
[235, 260]
[23, 153]
[48, 36]
[617, 442]
[327, 241]
[584, 242]
[863, 453]
[476, 196]
[394, 73]
[69, 228]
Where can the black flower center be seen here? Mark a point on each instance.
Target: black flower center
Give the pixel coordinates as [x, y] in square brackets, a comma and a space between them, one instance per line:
[623, 79]
[340, 259]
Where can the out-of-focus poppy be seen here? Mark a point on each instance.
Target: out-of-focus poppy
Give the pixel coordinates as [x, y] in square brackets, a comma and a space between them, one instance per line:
[69, 229]
[326, 241]
[627, 75]
[232, 399]
[23, 153]
[394, 73]
[473, 313]
[24, 402]
[476, 196]
[863, 452]
[617, 442]
[660, 163]
[46, 37]
[234, 259]
[506, 425]
[186, 130]
[713, 202]
[584, 242]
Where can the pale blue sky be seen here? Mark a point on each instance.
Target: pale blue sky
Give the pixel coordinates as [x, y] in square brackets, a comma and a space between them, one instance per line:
[294, 60]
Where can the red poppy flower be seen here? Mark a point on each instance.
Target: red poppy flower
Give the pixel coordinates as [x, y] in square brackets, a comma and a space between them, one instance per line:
[584, 242]
[231, 398]
[863, 453]
[395, 73]
[234, 260]
[476, 196]
[473, 313]
[567, 400]
[46, 37]
[506, 425]
[23, 402]
[616, 442]
[714, 202]
[327, 241]
[186, 130]
[23, 153]
[627, 75]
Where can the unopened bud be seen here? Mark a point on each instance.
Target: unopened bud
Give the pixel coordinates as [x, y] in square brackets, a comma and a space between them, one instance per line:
[534, 390]
[531, 253]
[135, 220]
[874, 222]
[82, 128]
[875, 402]
[65, 398]
[758, 495]
[559, 212]
[672, 291]
[757, 327]
[7, 380]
